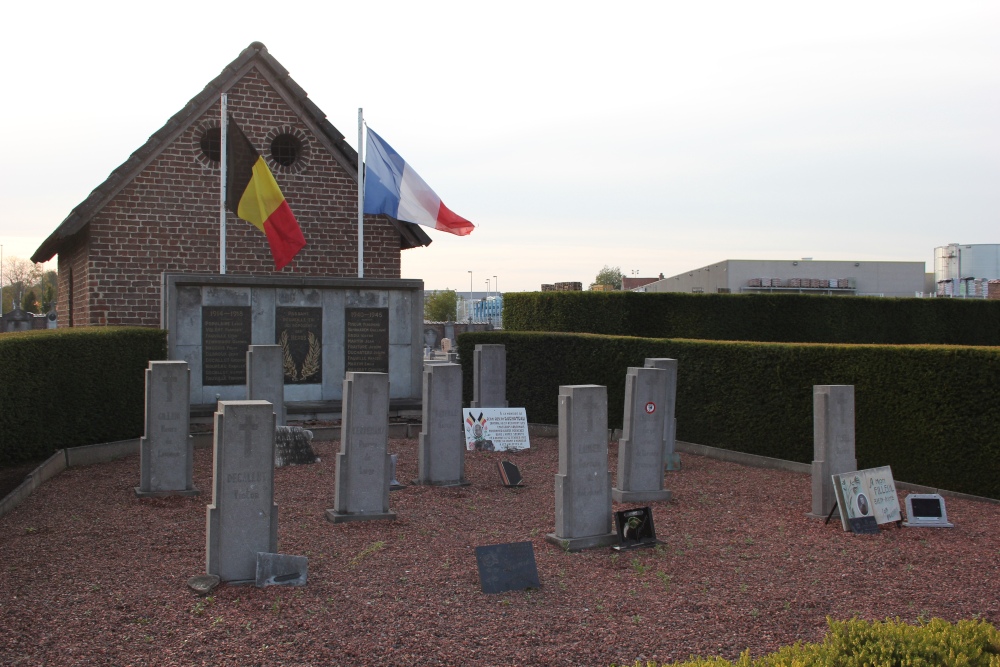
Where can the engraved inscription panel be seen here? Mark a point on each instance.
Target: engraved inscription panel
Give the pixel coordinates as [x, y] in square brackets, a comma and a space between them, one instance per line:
[366, 340]
[299, 332]
[225, 337]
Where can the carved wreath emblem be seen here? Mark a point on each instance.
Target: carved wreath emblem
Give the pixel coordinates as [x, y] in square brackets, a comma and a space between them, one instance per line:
[310, 365]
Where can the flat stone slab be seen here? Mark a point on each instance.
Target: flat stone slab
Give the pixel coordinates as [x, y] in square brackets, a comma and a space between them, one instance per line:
[581, 543]
[203, 584]
[281, 570]
[163, 494]
[339, 517]
[620, 496]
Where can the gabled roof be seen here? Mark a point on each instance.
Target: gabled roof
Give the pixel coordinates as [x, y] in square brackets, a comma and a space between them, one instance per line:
[411, 235]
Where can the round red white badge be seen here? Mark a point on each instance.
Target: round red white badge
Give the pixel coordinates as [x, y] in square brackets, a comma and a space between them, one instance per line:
[650, 408]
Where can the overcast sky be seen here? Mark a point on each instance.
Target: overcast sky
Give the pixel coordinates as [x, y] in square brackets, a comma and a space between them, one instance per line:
[653, 136]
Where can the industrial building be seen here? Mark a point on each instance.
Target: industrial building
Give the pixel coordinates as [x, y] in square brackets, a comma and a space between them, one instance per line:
[965, 270]
[806, 276]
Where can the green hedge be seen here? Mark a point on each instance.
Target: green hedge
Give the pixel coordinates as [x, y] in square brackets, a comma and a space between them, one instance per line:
[858, 643]
[928, 411]
[789, 318]
[67, 387]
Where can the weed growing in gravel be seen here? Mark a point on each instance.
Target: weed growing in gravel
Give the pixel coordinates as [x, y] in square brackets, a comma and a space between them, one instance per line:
[199, 607]
[637, 619]
[374, 547]
[664, 579]
[639, 568]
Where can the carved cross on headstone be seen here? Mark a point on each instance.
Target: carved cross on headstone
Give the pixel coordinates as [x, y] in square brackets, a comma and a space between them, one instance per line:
[168, 379]
[370, 391]
[248, 426]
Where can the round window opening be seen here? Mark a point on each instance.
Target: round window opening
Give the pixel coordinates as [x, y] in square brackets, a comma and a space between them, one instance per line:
[285, 149]
[211, 144]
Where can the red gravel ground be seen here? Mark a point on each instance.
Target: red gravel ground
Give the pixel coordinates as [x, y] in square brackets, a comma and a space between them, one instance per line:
[92, 575]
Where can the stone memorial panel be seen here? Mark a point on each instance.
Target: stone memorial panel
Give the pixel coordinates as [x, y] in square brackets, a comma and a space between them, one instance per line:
[510, 476]
[441, 450]
[264, 378]
[225, 337]
[507, 567]
[870, 492]
[299, 332]
[363, 464]
[166, 451]
[489, 383]
[281, 570]
[640, 450]
[583, 483]
[926, 510]
[243, 517]
[495, 429]
[635, 528]
[366, 340]
[292, 446]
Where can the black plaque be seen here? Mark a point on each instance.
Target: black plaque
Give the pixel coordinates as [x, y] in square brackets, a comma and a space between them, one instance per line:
[509, 474]
[366, 340]
[635, 528]
[299, 332]
[292, 446]
[225, 337]
[863, 525]
[507, 567]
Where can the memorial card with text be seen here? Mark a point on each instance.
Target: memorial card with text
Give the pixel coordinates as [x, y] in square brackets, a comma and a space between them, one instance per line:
[495, 429]
[870, 492]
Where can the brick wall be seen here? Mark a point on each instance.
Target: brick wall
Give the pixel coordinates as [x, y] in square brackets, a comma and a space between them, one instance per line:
[167, 219]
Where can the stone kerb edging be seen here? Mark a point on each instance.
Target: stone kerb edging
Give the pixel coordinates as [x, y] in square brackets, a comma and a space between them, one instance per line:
[72, 457]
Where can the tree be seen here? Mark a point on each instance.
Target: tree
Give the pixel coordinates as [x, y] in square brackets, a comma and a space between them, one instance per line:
[441, 306]
[609, 275]
[20, 274]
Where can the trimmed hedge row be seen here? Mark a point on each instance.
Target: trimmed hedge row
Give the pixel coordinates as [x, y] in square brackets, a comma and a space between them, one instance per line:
[789, 318]
[858, 643]
[928, 411]
[68, 387]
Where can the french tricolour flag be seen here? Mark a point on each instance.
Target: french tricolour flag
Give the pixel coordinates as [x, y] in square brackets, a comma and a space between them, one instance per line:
[393, 188]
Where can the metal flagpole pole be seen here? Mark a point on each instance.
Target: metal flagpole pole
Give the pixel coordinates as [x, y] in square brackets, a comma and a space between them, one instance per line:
[224, 159]
[361, 193]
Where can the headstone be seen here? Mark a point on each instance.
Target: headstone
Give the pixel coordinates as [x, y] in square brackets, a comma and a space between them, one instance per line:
[926, 510]
[292, 446]
[166, 451]
[363, 464]
[446, 345]
[281, 570]
[507, 567]
[833, 443]
[671, 459]
[640, 450]
[510, 476]
[583, 483]
[243, 517]
[635, 528]
[452, 357]
[441, 450]
[489, 384]
[265, 377]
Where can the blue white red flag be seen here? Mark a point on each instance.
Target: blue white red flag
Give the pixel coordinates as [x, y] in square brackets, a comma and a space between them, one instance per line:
[393, 188]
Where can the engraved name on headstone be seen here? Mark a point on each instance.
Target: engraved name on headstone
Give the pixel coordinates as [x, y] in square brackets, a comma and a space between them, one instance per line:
[583, 483]
[363, 465]
[166, 452]
[441, 453]
[640, 450]
[243, 517]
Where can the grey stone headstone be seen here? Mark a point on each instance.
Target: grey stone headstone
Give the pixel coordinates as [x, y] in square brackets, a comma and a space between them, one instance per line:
[266, 378]
[243, 517]
[441, 452]
[671, 459]
[640, 450]
[363, 464]
[292, 446]
[583, 483]
[166, 452]
[281, 570]
[833, 443]
[489, 384]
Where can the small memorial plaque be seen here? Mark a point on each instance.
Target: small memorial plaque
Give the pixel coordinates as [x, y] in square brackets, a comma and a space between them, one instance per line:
[635, 528]
[225, 337]
[507, 567]
[870, 492]
[926, 510]
[366, 340]
[509, 474]
[299, 332]
[292, 446]
[495, 429]
[863, 525]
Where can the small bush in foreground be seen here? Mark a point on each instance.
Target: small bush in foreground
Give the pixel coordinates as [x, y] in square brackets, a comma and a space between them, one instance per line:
[859, 643]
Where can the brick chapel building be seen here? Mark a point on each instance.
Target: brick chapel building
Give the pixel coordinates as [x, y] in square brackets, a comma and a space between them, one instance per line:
[159, 211]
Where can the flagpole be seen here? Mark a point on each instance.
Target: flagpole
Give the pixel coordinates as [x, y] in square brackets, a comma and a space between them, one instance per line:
[361, 194]
[224, 158]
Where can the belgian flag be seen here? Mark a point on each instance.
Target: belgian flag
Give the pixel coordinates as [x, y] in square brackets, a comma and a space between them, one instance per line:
[254, 195]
